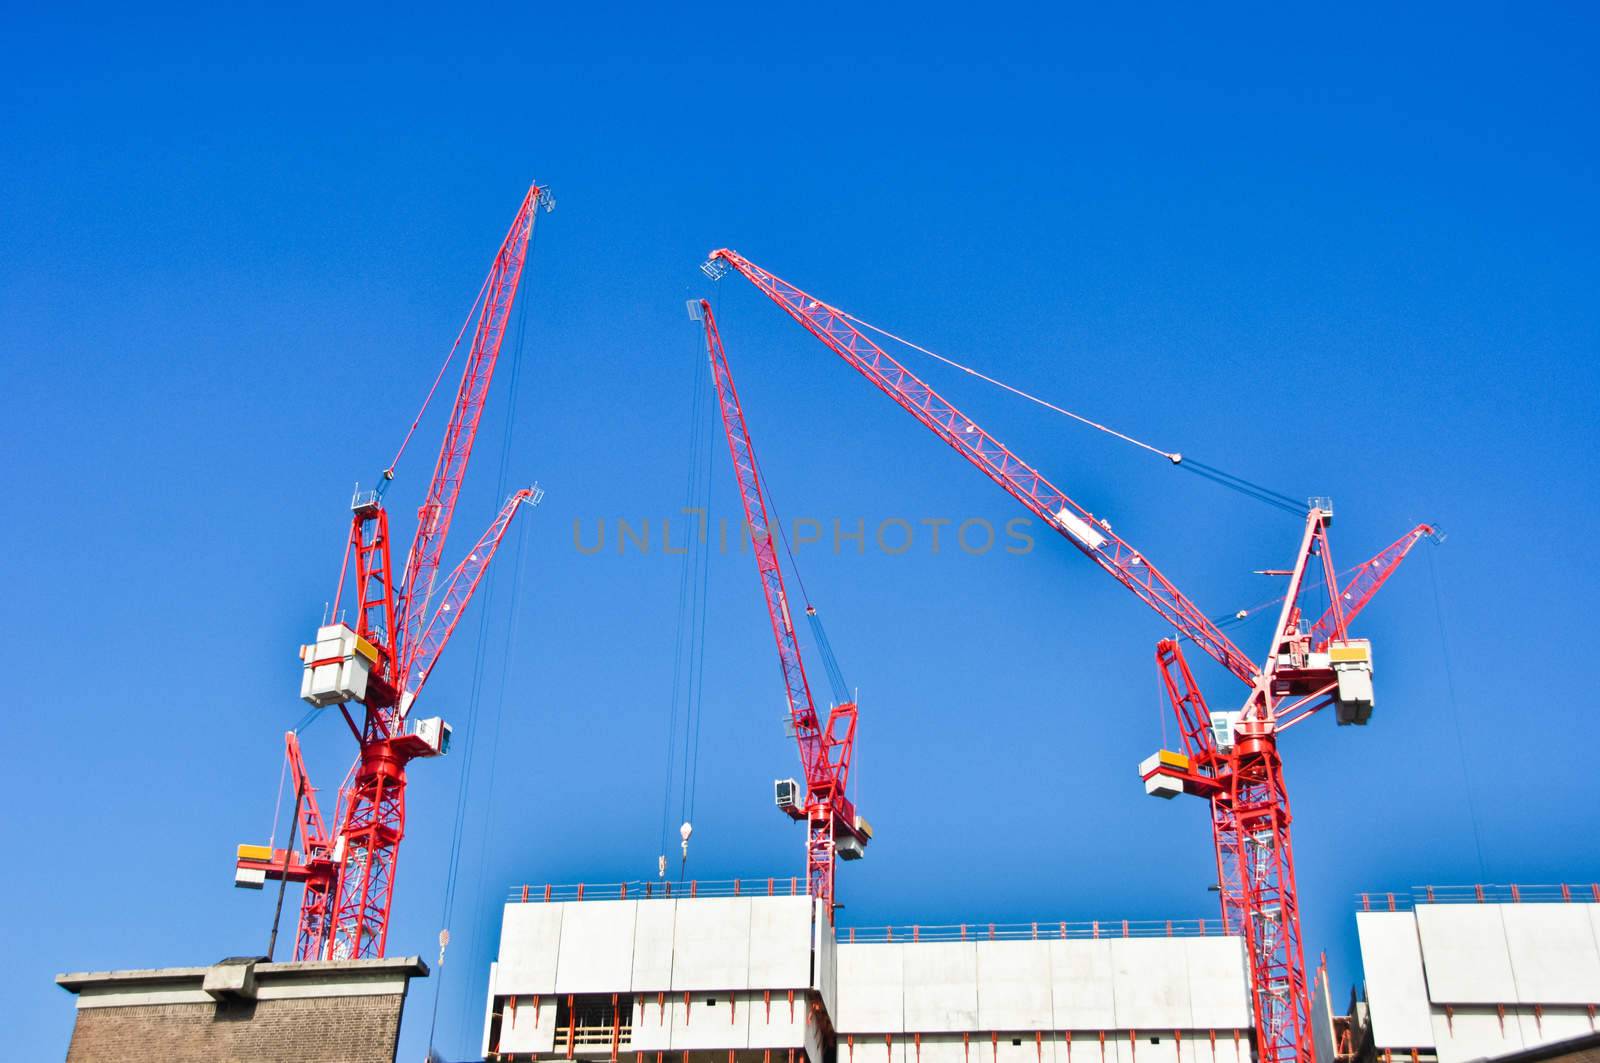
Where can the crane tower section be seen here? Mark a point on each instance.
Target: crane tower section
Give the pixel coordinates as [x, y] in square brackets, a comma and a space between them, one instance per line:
[833, 827]
[374, 670]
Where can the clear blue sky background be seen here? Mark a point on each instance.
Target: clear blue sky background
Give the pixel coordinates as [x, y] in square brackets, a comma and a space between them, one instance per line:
[1347, 253]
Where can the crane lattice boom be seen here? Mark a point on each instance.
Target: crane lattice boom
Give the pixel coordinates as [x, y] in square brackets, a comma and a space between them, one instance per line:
[825, 748]
[1230, 758]
[1092, 536]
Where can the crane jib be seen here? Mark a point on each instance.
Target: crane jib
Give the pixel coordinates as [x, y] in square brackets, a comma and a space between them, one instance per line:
[1077, 525]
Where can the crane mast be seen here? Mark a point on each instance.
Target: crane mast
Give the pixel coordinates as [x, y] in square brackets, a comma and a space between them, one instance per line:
[832, 825]
[382, 662]
[1231, 758]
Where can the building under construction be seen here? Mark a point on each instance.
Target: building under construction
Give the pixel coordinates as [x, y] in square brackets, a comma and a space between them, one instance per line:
[750, 972]
[757, 971]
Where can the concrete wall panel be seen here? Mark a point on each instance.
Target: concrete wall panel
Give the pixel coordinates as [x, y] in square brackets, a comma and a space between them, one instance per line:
[652, 945]
[1553, 953]
[1322, 1036]
[1080, 1047]
[530, 939]
[941, 987]
[652, 1023]
[1152, 1046]
[596, 954]
[825, 971]
[872, 1048]
[1556, 1024]
[1150, 978]
[526, 1028]
[1225, 1049]
[1081, 988]
[711, 944]
[1464, 954]
[871, 989]
[1219, 984]
[1473, 1033]
[488, 1010]
[709, 1021]
[814, 1049]
[942, 1048]
[1023, 1047]
[1396, 985]
[1013, 984]
[780, 942]
[778, 1025]
[1594, 921]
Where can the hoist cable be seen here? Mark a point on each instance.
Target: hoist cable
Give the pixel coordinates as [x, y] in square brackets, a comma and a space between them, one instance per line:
[1244, 487]
[475, 690]
[683, 596]
[277, 804]
[697, 670]
[1171, 456]
[1455, 718]
[1209, 472]
[836, 680]
[277, 807]
[689, 638]
[495, 727]
[783, 533]
[841, 689]
[448, 358]
[1242, 615]
[475, 942]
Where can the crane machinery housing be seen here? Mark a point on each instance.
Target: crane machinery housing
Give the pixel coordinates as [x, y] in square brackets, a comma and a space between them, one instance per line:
[381, 661]
[1230, 757]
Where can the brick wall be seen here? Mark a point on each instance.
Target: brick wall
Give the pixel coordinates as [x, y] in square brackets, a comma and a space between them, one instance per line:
[348, 1029]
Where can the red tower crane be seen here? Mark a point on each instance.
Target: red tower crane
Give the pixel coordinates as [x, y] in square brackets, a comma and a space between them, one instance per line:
[833, 827]
[1231, 758]
[382, 663]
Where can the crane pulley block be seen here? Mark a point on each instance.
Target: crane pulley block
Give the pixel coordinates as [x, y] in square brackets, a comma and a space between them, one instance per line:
[337, 666]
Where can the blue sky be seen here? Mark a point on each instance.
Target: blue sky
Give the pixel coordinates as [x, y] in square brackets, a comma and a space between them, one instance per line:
[1347, 254]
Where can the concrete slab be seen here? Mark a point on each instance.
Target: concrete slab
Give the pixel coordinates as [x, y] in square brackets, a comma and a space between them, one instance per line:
[1013, 985]
[530, 939]
[1219, 986]
[780, 942]
[597, 946]
[1083, 996]
[779, 1023]
[653, 928]
[871, 989]
[708, 1021]
[941, 987]
[1464, 954]
[1151, 981]
[525, 1027]
[652, 1022]
[711, 944]
[1397, 986]
[1554, 957]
